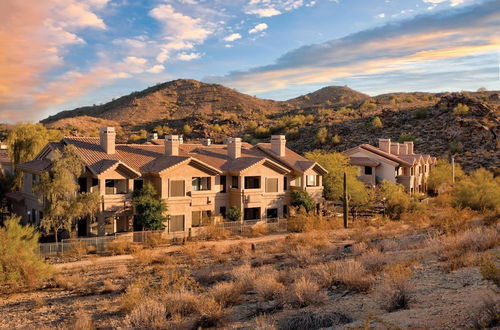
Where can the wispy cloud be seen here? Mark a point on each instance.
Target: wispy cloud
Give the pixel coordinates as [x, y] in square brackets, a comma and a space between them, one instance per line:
[417, 42]
[258, 28]
[232, 37]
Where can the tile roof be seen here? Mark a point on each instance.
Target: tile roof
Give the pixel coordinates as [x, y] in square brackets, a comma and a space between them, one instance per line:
[364, 161]
[291, 159]
[405, 160]
[37, 165]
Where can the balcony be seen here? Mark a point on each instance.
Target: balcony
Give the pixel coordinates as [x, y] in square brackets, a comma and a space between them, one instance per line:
[117, 203]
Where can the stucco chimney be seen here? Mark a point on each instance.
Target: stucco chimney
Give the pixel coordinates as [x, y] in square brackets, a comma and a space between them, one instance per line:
[395, 148]
[206, 142]
[403, 149]
[172, 145]
[384, 145]
[234, 148]
[278, 145]
[107, 137]
[409, 145]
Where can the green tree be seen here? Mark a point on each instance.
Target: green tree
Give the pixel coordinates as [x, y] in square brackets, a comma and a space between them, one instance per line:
[59, 190]
[19, 261]
[234, 213]
[441, 174]
[24, 142]
[149, 208]
[403, 137]
[396, 199]
[186, 129]
[376, 123]
[301, 198]
[321, 135]
[479, 191]
[336, 139]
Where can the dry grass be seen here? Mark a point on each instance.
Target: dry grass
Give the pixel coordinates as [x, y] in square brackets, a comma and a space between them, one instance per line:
[227, 293]
[38, 302]
[133, 295]
[307, 319]
[191, 251]
[267, 286]
[150, 257]
[302, 255]
[148, 314]
[214, 232]
[244, 274]
[489, 269]
[257, 230]
[304, 292]
[209, 313]
[72, 282]
[181, 304]
[264, 322]
[487, 316]
[109, 286]
[394, 290]
[374, 261]
[349, 273]
[122, 246]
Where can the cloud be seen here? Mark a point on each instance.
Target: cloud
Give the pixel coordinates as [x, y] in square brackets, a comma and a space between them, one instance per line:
[453, 3]
[264, 12]
[232, 37]
[269, 8]
[458, 34]
[382, 15]
[258, 28]
[156, 68]
[34, 37]
[188, 56]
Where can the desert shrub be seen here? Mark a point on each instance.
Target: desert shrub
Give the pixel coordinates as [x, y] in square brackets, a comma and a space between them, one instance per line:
[302, 255]
[351, 274]
[336, 139]
[301, 198]
[346, 111]
[213, 231]
[132, 295]
[72, 282]
[209, 313]
[261, 132]
[267, 286]
[479, 191]
[304, 292]
[406, 137]
[321, 135]
[122, 246]
[259, 229]
[264, 322]
[181, 303]
[376, 123]
[373, 260]
[489, 269]
[461, 109]
[177, 280]
[394, 290]
[441, 175]
[449, 220]
[82, 321]
[487, 315]
[397, 201]
[227, 293]
[244, 274]
[149, 257]
[307, 319]
[186, 129]
[252, 125]
[20, 264]
[234, 213]
[146, 314]
[421, 113]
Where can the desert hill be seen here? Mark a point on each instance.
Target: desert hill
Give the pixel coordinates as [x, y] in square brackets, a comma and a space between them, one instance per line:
[198, 110]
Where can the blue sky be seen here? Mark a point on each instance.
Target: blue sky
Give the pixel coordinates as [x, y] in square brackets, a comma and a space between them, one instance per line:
[60, 54]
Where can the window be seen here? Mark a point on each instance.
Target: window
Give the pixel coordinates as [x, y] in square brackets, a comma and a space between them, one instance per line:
[252, 182]
[200, 218]
[201, 183]
[272, 213]
[82, 185]
[298, 181]
[368, 170]
[234, 182]
[285, 183]
[177, 188]
[312, 180]
[223, 183]
[412, 171]
[138, 184]
[177, 222]
[271, 184]
[251, 213]
[222, 211]
[95, 185]
[110, 187]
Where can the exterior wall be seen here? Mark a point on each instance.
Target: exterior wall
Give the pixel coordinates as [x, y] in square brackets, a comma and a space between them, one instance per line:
[385, 171]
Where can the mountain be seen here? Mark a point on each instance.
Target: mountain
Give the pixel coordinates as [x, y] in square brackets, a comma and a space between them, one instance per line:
[198, 110]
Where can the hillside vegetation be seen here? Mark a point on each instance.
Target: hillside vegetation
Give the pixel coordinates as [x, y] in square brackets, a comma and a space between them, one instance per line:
[333, 118]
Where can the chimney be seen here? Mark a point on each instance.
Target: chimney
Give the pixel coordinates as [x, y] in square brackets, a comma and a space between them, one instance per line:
[206, 142]
[409, 145]
[152, 136]
[403, 149]
[278, 145]
[172, 145]
[394, 148]
[181, 139]
[107, 137]
[384, 145]
[234, 148]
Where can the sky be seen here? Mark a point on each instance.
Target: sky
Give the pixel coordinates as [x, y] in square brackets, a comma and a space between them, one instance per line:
[61, 54]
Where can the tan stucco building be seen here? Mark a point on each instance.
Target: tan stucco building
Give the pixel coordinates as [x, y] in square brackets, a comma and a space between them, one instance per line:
[198, 181]
[394, 162]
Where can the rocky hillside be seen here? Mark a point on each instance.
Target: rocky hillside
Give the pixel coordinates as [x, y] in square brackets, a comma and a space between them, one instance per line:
[199, 110]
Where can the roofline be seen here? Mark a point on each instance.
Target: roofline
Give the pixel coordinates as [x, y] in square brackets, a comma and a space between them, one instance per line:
[384, 154]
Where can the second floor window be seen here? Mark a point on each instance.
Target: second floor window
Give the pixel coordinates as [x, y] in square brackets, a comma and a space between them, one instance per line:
[312, 180]
[234, 182]
[368, 170]
[201, 183]
[272, 185]
[223, 183]
[177, 188]
[82, 185]
[252, 182]
[285, 183]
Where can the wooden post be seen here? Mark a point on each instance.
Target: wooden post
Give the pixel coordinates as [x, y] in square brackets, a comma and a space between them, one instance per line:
[453, 168]
[345, 202]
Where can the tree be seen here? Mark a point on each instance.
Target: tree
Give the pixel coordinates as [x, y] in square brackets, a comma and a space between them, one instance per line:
[397, 200]
[461, 109]
[149, 208]
[24, 142]
[186, 129]
[441, 175]
[322, 135]
[403, 137]
[301, 198]
[336, 139]
[336, 164]
[20, 263]
[59, 189]
[479, 191]
[376, 122]
[234, 213]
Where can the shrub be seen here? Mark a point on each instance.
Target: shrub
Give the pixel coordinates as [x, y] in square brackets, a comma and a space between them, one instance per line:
[20, 264]
[209, 313]
[321, 135]
[186, 129]
[441, 175]
[479, 191]
[376, 123]
[82, 321]
[301, 198]
[234, 213]
[489, 269]
[374, 260]
[304, 292]
[406, 137]
[487, 315]
[421, 113]
[227, 293]
[181, 303]
[461, 109]
[307, 319]
[262, 132]
[147, 314]
[397, 201]
[350, 273]
[267, 287]
[394, 291]
[149, 208]
[336, 139]
[122, 246]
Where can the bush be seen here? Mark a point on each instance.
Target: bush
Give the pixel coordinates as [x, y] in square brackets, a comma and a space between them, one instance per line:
[397, 201]
[234, 213]
[441, 175]
[122, 246]
[301, 198]
[307, 319]
[186, 129]
[406, 137]
[394, 291]
[262, 132]
[20, 264]
[376, 123]
[479, 191]
[321, 135]
[147, 314]
[336, 139]
[374, 260]
[227, 293]
[489, 269]
[421, 113]
[461, 109]
[304, 292]
[267, 287]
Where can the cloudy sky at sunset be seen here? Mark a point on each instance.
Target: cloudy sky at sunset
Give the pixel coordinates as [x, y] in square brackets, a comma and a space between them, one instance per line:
[60, 54]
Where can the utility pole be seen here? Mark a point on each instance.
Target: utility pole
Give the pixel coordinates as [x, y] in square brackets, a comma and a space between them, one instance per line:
[453, 168]
[346, 203]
